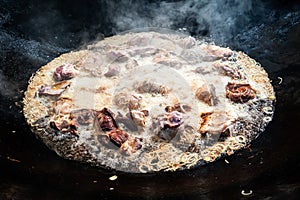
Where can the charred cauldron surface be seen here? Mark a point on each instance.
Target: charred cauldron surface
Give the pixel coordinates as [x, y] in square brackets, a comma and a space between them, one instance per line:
[271, 36]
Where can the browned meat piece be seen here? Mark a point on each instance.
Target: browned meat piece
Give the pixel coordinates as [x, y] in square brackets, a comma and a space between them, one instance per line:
[121, 100]
[203, 94]
[131, 146]
[218, 52]
[146, 112]
[167, 59]
[113, 70]
[125, 101]
[175, 107]
[179, 108]
[150, 87]
[239, 93]
[207, 94]
[66, 126]
[216, 122]
[65, 72]
[118, 136]
[168, 125]
[106, 121]
[173, 119]
[54, 90]
[230, 71]
[135, 101]
[117, 56]
[63, 106]
[138, 117]
[83, 116]
[131, 64]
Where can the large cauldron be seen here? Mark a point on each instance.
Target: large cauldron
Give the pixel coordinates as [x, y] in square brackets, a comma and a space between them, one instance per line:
[34, 32]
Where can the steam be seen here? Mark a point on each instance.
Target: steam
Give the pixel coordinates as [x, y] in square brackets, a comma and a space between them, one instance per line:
[219, 20]
[254, 27]
[32, 34]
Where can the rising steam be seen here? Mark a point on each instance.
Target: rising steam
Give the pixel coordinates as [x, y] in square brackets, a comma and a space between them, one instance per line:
[220, 20]
[32, 33]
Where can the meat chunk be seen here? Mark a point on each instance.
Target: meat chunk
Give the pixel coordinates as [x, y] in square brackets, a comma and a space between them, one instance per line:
[117, 56]
[131, 146]
[167, 59]
[113, 70]
[217, 52]
[207, 95]
[121, 100]
[63, 106]
[203, 94]
[138, 117]
[64, 72]
[173, 119]
[83, 116]
[239, 93]
[54, 90]
[106, 121]
[135, 101]
[167, 126]
[216, 122]
[118, 136]
[65, 126]
[131, 64]
[230, 71]
[150, 87]
[178, 107]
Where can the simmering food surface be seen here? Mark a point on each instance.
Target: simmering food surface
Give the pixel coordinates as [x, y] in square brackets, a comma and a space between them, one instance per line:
[148, 101]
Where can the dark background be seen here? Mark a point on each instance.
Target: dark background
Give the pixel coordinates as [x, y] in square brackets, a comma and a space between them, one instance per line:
[34, 32]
